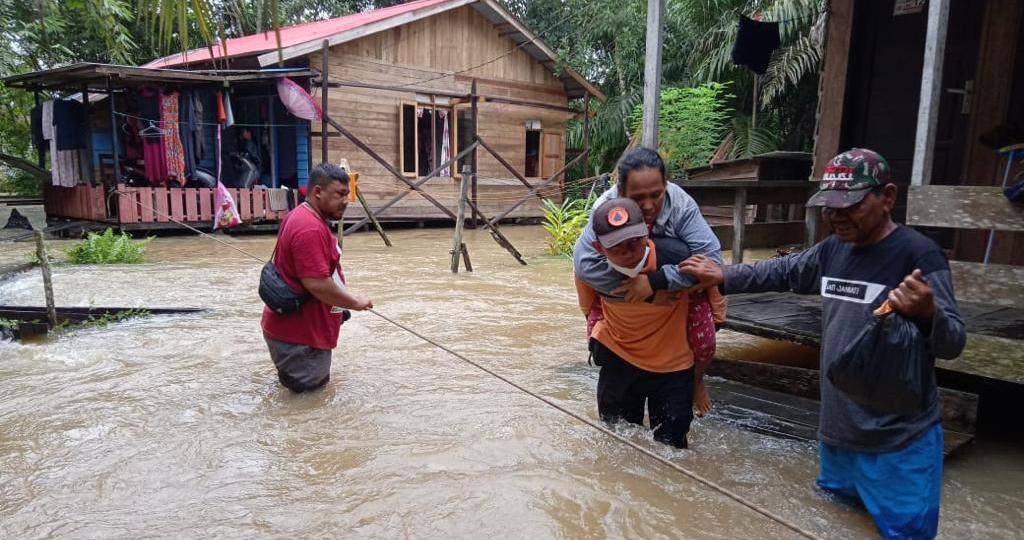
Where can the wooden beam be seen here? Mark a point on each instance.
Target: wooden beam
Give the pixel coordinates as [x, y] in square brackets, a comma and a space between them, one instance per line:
[931, 90]
[460, 222]
[546, 183]
[25, 165]
[507, 165]
[369, 151]
[492, 227]
[739, 214]
[369, 214]
[390, 88]
[475, 109]
[325, 52]
[832, 84]
[963, 207]
[415, 187]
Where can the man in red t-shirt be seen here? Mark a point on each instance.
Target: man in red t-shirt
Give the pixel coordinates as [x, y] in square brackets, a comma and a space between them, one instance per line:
[308, 258]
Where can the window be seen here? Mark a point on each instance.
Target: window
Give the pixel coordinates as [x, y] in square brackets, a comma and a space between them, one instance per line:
[427, 135]
[532, 153]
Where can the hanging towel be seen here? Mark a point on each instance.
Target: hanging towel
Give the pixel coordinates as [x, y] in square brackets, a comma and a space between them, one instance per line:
[755, 43]
[445, 143]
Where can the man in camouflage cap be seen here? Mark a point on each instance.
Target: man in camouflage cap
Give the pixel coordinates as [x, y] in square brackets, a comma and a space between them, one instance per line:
[891, 461]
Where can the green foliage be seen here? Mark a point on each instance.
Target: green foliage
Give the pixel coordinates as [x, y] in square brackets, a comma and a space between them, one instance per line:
[750, 141]
[108, 248]
[103, 320]
[564, 224]
[692, 122]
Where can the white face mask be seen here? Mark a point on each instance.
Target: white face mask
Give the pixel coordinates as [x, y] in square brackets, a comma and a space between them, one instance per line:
[635, 271]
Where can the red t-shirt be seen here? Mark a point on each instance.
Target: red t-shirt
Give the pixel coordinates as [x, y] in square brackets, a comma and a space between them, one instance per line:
[305, 249]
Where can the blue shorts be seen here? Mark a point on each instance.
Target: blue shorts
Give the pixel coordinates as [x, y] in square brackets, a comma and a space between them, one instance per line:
[901, 490]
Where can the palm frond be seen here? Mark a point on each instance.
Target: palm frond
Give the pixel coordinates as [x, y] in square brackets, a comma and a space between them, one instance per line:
[789, 65]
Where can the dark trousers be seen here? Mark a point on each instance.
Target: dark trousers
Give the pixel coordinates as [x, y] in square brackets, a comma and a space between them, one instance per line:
[623, 389]
[300, 368]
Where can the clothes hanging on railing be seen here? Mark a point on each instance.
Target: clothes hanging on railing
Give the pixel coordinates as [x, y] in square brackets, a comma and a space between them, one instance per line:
[172, 139]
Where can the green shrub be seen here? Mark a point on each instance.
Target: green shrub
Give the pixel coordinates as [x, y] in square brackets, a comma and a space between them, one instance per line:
[108, 248]
[692, 122]
[564, 224]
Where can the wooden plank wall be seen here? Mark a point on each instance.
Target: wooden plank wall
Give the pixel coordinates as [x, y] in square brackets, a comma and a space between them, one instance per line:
[191, 205]
[79, 202]
[419, 55]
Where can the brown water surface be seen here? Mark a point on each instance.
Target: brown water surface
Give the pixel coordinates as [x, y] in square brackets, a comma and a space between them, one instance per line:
[175, 426]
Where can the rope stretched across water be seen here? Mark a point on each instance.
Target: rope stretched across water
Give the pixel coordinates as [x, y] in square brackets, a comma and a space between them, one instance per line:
[743, 501]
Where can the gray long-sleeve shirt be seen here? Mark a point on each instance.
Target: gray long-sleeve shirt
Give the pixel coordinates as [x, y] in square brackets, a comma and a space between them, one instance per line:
[853, 282]
[680, 219]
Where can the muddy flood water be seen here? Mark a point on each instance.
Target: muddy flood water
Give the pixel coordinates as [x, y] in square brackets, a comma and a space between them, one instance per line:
[176, 426]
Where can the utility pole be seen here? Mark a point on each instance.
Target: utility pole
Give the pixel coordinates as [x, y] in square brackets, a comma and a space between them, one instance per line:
[652, 73]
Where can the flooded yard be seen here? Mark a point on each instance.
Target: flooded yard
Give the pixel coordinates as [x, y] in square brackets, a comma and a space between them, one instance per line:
[176, 426]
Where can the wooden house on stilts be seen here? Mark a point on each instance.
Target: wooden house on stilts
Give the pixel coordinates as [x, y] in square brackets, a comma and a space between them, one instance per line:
[415, 97]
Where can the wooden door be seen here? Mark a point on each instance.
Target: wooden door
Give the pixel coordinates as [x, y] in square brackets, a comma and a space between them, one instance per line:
[552, 153]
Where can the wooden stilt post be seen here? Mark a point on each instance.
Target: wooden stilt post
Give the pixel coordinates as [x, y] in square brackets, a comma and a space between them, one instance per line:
[40, 152]
[474, 99]
[88, 171]
[433, 132]
[44, 265]
[324, 85]
[457, 246]
[369, 214]
[739, 215]
[115, 151]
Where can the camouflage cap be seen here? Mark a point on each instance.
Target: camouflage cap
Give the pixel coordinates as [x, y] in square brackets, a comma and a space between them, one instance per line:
[849, 177]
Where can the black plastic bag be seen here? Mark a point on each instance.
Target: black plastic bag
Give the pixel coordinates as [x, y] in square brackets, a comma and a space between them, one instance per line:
[886, 367]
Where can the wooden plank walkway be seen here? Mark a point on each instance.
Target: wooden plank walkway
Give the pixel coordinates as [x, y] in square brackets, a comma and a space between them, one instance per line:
[994, 342]
[783, 415]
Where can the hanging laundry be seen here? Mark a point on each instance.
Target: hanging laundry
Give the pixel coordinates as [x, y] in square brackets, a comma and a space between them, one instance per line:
[172, 140]
[64, 164]
[755, 43]
[222, 115]
[445, 144]
[187, 130]
[154, 152]
[229, 116]
[69, 117]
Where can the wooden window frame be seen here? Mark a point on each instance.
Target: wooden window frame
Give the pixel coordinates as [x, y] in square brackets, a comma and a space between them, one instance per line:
[401, 140]
[453, 135]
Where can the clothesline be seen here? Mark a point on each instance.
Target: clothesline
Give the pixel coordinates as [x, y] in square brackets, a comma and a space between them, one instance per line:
[177, 123]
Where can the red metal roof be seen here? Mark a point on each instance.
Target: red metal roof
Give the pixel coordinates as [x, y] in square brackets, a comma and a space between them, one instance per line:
[292, 35]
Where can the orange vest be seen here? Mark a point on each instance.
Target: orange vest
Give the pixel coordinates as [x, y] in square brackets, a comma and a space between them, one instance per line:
[649, 335]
